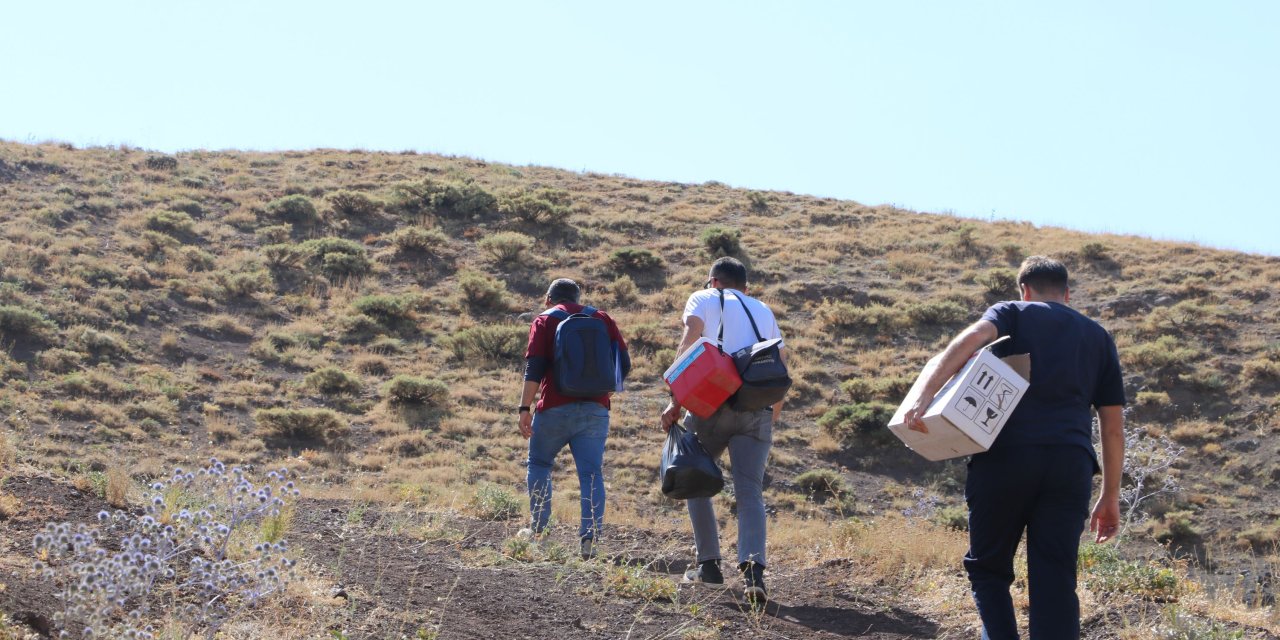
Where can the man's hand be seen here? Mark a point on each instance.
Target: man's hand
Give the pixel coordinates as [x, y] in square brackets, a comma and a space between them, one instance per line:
[1106, 518]
[526, 424]
[915, 421]
[669, 416]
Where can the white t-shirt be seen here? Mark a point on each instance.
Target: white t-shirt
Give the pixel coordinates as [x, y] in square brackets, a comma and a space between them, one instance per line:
[705, 304]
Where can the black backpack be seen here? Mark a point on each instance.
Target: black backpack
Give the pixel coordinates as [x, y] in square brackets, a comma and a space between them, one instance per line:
[584, 359]
[764, 376]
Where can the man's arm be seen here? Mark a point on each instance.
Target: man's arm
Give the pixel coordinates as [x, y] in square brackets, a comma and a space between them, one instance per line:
[693, 326]
[1106, 514]
[527, 392]
[954, 356]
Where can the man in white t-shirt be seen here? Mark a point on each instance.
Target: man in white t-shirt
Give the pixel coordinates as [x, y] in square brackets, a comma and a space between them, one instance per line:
[747, 435]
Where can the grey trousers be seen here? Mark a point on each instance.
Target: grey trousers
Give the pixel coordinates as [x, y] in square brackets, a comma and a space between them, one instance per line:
[747, 435]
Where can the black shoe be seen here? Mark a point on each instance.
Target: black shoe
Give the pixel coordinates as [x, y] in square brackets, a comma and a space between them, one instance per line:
[753, 576]
[707, 572]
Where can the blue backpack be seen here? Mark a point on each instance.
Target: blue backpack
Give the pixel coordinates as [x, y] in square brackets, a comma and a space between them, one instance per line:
[584, 359]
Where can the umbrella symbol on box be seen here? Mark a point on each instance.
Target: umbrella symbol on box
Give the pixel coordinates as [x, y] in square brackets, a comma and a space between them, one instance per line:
[968, 405]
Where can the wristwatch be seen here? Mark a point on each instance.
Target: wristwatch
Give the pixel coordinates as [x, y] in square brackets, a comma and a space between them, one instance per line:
[524, 408]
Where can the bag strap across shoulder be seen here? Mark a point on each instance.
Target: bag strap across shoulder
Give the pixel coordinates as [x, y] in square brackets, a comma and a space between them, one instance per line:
[754, 328]
[562, 315]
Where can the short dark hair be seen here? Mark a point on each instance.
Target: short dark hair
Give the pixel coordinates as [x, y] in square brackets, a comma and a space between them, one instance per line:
[1044, 275]
[563, 290]
[730, 272]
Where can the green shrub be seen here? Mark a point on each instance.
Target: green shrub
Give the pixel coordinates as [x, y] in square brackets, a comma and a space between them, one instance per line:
[320, 425]
[461, 200]
[942, 312]
[758, 201]
[963, 243]
[405, 389]
[296, 209]
[274, 234]
[952, 517]
[187, 206]
[819, 481]
[420, 240]
[1166, 352]
[489, 344]
[333, 381]
[507, 248]
[352, 204]
[283, 256]
[393, 312]
[492, 502]
[843, 316]
[100, 343]
[1094, 251]
[481, 292]
[358, 327]
[543, 206]
[849, 422]
[171, 222]
[1001, 284]
[337, 256]
[1104, 571]
[196, 259]
[1013, 253]
[862, 390]
[720, 242]
[59, 360]
[633, 260]
[243, 284]
[18, 322]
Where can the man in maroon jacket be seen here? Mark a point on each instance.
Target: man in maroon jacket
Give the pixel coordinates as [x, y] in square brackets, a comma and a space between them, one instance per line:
[559, 419]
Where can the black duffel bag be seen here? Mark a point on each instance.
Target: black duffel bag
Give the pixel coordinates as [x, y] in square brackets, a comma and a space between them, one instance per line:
[764, 375]
[688, 471]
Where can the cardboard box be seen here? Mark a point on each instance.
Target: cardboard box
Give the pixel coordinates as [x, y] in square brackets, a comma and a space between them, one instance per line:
[702, 378]
[968, 412]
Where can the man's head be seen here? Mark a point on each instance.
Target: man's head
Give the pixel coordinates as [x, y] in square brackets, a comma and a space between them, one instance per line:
[1042, 278]
[728, 273]
[563, 290]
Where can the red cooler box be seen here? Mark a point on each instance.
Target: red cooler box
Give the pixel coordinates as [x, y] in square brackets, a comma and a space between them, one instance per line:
[702, 378]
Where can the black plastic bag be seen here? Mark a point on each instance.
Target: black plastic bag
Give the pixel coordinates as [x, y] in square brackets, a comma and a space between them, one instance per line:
[688, 471]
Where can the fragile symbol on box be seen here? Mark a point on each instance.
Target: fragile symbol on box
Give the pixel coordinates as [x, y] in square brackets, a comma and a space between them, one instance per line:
[990, 418]
[986, 380]
[1004, 396]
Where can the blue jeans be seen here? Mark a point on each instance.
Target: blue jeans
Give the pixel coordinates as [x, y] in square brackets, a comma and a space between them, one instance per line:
[748, 436]
[1043, 490]
[584, 426]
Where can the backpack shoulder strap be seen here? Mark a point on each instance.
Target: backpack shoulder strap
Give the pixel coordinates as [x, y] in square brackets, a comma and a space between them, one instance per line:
[590, 311]
[558, 314]
[740, 296]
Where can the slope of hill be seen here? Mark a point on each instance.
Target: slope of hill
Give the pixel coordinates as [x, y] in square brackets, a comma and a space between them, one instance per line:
[356, 317]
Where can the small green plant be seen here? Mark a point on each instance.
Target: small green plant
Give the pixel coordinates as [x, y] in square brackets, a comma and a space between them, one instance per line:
[633, 260]
[321, 425]
[820, 481]
[492, 502]
[636, 582]
[482, 292]
[720, 241]
[1000, 284]
[352, 204]
[395, 312]
[337, 256]
[542, 206]
[508, 248]
[758, 201]
[868, 389]
[941, 312]
[1103, 570]
[420, 240]
[963, 242]
[873, 318]
[333, 381]
[489, 345]
[406, 389]
[17, 322]
[171, 222]
[295, 209]
[1093, 251]
[851, 422]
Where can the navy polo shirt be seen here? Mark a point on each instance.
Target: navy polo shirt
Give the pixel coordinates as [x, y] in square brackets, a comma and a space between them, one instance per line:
[1074, 366]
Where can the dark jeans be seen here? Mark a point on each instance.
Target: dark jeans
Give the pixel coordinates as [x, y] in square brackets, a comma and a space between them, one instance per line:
[1045, 491]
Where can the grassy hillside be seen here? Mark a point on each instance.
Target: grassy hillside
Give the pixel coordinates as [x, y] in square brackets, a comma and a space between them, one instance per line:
[357, 318]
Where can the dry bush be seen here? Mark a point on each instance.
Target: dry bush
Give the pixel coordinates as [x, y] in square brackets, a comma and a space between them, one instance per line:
[321, 425]
[117, 488]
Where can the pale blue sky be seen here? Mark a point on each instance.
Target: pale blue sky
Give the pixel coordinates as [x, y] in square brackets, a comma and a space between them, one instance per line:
[1156, 118]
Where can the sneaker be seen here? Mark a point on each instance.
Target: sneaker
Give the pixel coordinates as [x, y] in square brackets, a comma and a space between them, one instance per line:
[588, 548]
[753, 576]
[707, 572]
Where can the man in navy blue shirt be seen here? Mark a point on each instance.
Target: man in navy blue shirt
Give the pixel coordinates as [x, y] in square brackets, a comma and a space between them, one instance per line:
[1037, 475]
